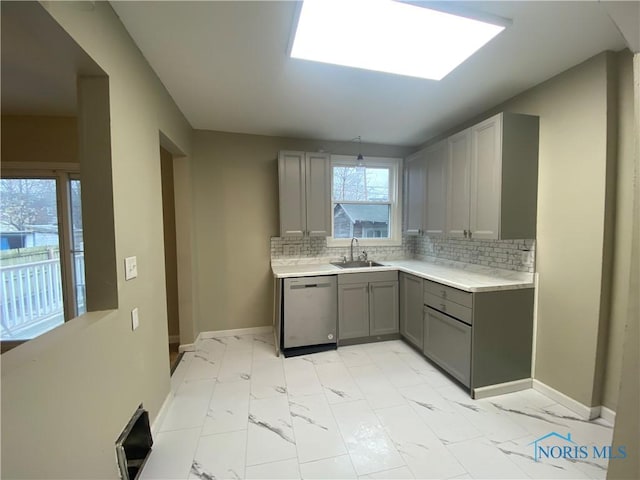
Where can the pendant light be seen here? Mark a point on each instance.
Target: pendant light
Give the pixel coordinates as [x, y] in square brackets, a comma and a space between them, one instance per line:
[359, 158]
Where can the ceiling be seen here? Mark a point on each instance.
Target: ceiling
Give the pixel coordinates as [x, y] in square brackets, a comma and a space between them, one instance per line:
[226, 66]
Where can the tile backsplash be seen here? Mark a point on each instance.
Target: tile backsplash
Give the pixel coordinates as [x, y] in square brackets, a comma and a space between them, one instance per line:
[286, 248]
[518, 255]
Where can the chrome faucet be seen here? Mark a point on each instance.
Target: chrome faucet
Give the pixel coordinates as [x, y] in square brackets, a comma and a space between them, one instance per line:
[357, 243]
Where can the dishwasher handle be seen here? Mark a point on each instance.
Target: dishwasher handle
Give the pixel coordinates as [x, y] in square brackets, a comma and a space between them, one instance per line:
[310, 285]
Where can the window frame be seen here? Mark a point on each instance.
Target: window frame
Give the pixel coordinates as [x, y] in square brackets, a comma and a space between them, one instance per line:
[62, 173]
[395, 200]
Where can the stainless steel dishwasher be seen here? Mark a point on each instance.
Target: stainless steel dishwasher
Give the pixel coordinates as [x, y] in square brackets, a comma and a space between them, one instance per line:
[310, 319]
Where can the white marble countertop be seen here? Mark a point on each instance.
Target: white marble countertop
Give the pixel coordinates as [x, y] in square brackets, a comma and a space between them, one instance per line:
[463, 276]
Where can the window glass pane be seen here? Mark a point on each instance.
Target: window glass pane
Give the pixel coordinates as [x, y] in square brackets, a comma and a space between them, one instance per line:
[352, 183]
[360, 221]
[77, 245]
[31, 301]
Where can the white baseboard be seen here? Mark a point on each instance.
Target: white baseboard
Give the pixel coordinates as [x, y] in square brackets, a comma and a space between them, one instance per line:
[236, 331]
[157, 422]
[583, 411]
[174, 339]
[608, 415]
[191, 347]
[187, 347]
[501, 388]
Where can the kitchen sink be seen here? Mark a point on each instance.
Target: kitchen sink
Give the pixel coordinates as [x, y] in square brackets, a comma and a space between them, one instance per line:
[357, 264]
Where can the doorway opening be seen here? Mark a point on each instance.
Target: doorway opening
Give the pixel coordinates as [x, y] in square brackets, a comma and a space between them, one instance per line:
[170, 256]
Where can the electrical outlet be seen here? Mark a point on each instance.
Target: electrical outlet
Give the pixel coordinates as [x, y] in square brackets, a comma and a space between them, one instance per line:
[135, 320]
[526, 257]
[130, 268]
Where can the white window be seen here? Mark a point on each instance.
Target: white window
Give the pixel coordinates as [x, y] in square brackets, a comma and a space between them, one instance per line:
[365, 201]
[41, 249]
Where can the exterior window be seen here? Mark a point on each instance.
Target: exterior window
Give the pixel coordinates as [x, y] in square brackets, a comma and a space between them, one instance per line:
[41, 252]
[365, 201]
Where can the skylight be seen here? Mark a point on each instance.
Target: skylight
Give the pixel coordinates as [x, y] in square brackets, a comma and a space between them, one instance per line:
[388, 36]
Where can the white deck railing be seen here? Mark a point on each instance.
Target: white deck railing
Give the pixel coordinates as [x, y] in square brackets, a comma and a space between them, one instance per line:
[32, 292]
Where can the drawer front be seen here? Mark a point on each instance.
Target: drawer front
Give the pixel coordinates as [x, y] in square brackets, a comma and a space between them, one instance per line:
[448, 343]
[448, 293]
[367, 277]
[450, 308]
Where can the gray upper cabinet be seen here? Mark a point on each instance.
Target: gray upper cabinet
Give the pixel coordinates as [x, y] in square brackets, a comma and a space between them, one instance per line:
[305, 201]
[367, 304]
[415, 181]
[492, 185]
[426, 191]
[435, 222]
[458, 174]
[411, 301]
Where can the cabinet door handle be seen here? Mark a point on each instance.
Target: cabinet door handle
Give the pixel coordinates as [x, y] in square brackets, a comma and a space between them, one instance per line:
[443, 307]
[469, 233]
[465, 234]
[444, 293]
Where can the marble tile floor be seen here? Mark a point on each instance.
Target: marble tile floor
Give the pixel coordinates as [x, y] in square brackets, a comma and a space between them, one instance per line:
[374, 411]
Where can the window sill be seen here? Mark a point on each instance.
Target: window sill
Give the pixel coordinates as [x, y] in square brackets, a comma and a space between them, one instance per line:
[363, 242]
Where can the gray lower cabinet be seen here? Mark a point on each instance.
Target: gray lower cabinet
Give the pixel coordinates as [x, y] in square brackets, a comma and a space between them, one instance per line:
[383, 308]
[353, 310]
[481, 338]
[411, 301]
[447, 341]
[367, 305]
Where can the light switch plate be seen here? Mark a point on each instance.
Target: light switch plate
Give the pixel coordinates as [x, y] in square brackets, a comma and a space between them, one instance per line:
[130, 268]
[135, 320]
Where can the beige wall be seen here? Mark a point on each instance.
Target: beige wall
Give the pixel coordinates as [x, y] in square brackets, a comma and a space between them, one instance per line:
[577, 165]
[67, 395]
[627, 423]
[621, 261]
[580, 257]
[39, 139]
[235, 193]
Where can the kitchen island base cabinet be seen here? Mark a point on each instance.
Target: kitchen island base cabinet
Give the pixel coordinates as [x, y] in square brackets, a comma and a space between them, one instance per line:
[367, 306]
[447, 342]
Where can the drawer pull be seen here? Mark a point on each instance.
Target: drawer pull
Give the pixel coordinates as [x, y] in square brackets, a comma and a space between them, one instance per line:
[444, 293]
[443, 307]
